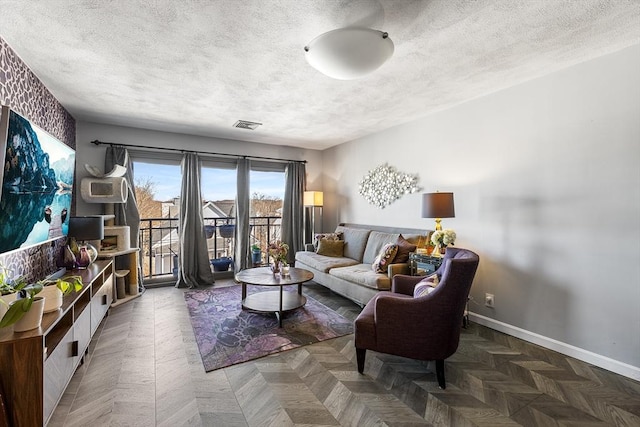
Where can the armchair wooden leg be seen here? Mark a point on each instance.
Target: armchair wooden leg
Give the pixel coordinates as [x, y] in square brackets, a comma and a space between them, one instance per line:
[360, 354]
[440, 373]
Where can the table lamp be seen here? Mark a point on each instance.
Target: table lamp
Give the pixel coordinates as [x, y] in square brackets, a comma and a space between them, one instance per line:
[84, 229]
[438, 206]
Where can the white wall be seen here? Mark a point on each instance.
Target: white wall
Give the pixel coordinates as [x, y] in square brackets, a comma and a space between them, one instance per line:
[94, 155]
[546, 177]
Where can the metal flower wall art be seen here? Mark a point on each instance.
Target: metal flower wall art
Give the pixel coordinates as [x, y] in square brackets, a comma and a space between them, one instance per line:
[385, 184]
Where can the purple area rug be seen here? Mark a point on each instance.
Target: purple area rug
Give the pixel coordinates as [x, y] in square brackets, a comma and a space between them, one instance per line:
[227, 335]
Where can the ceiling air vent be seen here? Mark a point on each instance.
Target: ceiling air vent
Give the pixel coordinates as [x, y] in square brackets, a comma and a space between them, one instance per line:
[244, 124]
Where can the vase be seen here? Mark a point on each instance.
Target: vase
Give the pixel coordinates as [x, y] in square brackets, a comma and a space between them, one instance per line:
[67, 259]
[284, 270]
[436, 251]
[53, 298]
[8, 299]
[275, 267]
[32, 319]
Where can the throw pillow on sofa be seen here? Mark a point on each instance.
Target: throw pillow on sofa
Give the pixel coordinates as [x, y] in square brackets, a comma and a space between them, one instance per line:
[384, 258]
[404, 248]
[325, 236]
[425, 286]
[332, 248]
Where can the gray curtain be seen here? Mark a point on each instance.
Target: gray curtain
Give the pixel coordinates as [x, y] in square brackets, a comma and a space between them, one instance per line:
[292, 209]
[243, 228]
[126, 213]
[193, 261]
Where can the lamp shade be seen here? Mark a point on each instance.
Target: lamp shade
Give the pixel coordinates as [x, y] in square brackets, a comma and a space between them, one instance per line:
[349, 53]
[438, 205]
[85, 228]
[313, 198]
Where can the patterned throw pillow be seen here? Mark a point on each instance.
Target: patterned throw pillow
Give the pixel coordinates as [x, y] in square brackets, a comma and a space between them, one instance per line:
[404, 248]
[327, 236]
[332, 248]
[384, 258]
[425, 286]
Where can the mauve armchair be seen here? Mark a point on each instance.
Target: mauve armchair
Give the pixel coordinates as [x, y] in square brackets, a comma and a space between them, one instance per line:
[422, 328]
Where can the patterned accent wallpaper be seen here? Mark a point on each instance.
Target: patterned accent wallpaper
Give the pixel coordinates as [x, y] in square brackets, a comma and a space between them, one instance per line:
[21, 90]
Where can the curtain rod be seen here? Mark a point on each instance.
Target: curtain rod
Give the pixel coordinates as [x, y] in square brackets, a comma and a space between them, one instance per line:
[179, 150]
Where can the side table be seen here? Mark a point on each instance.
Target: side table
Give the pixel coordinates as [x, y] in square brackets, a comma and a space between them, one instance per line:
[423, 264]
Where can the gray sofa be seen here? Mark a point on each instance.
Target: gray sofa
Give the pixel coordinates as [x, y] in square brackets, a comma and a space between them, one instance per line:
[352, 275]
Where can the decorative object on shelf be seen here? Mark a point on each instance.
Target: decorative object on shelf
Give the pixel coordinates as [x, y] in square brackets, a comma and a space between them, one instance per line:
[438, 205]
[67, 258]
[384, 185]
[278, 251]
[313, 200]
[221, 264]
[441, 239]
[85, 229]
[256, 255]
[349, 53]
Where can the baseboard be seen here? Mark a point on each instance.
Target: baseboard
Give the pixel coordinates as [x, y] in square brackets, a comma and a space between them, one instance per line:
[612, 365]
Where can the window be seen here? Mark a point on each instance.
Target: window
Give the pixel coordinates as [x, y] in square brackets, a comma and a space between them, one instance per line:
[157, 184]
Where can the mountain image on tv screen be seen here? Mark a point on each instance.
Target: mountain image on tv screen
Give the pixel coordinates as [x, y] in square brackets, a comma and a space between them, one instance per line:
[37, 184]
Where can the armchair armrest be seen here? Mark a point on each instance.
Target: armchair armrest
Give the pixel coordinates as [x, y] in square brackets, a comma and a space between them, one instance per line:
[393, 269]
[403, 284]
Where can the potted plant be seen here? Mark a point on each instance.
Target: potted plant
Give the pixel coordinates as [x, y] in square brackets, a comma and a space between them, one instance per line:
[55, 289]
[209, 230]
[256, 254]
[25, 312]
[226, 230]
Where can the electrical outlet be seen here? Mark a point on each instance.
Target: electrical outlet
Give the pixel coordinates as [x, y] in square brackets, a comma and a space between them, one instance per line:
[489, 300]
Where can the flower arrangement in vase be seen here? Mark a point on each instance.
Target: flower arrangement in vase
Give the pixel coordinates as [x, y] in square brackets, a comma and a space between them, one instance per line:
[278, 251]
[441, 239]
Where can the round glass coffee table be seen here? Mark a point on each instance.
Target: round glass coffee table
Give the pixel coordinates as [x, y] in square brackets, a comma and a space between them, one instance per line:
[278, 302]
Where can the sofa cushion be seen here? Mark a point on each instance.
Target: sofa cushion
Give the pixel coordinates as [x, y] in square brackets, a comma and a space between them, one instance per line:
[321, 262]
[333, 248]
[363, 275]
[355, 241]
[384, 258]
[404, 248]
[375, 243]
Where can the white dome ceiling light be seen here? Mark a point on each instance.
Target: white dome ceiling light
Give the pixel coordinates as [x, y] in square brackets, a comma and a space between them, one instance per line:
[349, 53]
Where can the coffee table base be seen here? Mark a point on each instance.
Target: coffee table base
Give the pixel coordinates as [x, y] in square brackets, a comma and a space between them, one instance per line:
[277, 302]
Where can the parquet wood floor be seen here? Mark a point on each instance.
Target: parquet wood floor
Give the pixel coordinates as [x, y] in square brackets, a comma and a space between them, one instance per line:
[144, 369]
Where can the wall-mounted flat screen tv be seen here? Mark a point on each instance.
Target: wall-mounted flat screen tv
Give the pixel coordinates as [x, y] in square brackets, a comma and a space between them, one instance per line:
[36, 184]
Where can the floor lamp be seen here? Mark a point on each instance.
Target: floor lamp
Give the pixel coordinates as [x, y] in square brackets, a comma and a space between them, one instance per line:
[313, 200]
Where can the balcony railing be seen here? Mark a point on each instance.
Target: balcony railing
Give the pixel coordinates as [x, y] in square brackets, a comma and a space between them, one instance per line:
[160, 242]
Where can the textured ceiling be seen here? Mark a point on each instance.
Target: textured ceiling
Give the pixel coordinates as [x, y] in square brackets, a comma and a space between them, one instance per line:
[197, 67]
